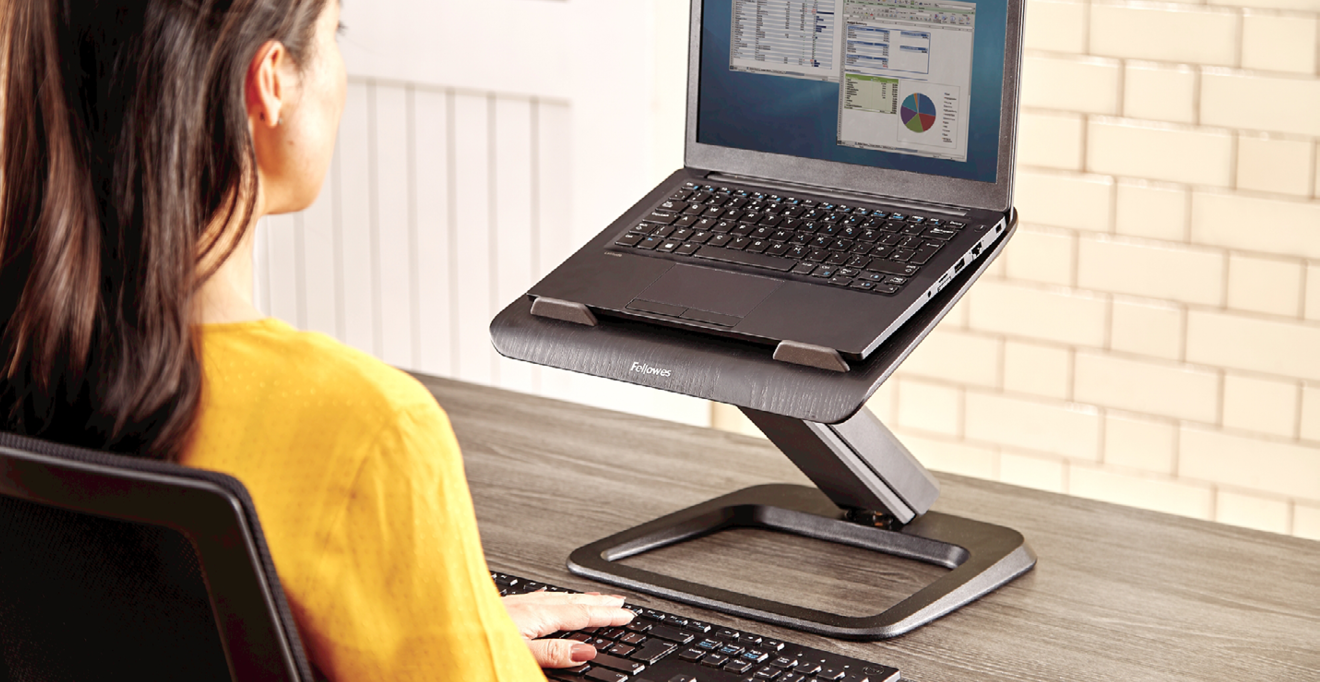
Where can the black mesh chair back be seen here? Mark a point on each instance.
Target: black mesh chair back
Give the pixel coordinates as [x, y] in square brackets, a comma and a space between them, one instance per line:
[119, 568]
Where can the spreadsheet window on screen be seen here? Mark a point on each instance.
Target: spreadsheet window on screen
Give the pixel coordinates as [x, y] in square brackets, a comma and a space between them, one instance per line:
[904, 67]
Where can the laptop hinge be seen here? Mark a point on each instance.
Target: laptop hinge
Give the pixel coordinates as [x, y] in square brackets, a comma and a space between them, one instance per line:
[835, 193]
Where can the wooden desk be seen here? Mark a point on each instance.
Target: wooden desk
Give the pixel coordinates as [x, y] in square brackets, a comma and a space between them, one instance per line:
[1118, 594]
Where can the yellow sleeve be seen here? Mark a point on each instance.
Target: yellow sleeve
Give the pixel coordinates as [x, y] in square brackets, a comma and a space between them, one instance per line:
[407, 592]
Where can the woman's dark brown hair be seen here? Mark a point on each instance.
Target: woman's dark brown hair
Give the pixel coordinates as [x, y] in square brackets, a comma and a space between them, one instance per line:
[124, 147]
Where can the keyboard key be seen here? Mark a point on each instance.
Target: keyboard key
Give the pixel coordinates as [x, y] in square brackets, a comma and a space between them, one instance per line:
[891, 268]
[738, 243]
[692, 655]
[715, 660]
[886, 288]
[863, 285]
[622, 665]
[830, 674]
[855, 677]
[738, 667]
[784, 662]
[603, 675]
[661, 217]
[837, 259]
[685, 221]
[759, 260]
[670, 633]
[768, 673]
[629, 239]
[758, 246]
[720, 240]
[662, 231]
[669, 246]
[579, 637]
[621, 650]
[652, 651]
[754, 655]
[778, 250]
[825, 271]
[730, 650]
[807, 668]
[697, 627]
[650, 243]
[903, 255]
[803, 269]
[841, 281]
[923, 255]
[687, 249]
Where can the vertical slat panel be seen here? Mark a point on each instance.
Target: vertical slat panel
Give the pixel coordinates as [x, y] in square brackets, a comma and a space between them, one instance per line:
[281, 240]
[554, 186]
[431, 157]
[357, 276]
[473, 238]
[392, 203]
[513, 221]
[320, 282]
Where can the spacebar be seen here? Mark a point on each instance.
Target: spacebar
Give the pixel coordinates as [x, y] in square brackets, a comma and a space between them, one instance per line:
[759, 260]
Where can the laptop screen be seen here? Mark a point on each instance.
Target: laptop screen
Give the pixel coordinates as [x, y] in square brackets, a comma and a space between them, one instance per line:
[909, 85]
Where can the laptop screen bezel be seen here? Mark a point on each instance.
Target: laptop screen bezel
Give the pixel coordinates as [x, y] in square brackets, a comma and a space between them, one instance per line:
[885, 182]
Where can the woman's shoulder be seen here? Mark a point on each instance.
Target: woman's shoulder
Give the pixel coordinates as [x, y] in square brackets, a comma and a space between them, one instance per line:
[271, 358]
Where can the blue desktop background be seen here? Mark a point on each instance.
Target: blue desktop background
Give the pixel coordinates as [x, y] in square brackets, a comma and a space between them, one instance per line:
[800, 117]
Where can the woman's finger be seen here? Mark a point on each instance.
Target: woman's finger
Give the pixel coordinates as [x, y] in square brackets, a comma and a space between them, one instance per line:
[560, 653]
[538, 620]
[564, 598]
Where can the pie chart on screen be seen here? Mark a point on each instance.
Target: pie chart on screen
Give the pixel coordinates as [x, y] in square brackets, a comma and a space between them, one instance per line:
[918, 112]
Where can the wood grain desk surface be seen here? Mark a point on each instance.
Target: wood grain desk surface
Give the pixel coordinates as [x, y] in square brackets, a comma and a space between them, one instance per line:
[1118, 594]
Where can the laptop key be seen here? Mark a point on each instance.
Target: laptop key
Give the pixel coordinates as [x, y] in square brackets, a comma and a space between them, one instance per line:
[759, 260]
[803, 269]
[661, 217]
[889, 267]
[840, 281]
[630, 239]
[687, 249]
[923, 254]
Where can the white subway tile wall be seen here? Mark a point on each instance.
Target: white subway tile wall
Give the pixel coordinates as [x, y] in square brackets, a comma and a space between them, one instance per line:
[1154, 327]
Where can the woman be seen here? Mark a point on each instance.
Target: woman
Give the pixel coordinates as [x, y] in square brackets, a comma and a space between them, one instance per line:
[142, 140]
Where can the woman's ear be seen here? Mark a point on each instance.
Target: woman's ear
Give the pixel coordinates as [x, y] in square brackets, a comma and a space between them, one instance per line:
[268, 85]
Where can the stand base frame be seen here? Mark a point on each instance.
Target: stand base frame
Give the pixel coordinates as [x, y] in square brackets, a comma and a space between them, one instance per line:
[981, 558]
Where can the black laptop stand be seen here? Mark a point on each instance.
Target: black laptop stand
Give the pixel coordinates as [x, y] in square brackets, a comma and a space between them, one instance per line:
[870, 492]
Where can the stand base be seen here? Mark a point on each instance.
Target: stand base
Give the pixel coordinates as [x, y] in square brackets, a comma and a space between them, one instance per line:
[981, 557]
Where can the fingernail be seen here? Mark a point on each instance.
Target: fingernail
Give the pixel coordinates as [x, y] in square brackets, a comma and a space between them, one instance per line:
[581, 653]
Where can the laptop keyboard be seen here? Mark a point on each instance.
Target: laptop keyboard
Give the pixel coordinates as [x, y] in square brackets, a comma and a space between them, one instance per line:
[866, 248]
[664, 647]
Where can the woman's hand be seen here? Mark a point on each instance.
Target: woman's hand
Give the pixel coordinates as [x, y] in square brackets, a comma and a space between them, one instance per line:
[541, 613]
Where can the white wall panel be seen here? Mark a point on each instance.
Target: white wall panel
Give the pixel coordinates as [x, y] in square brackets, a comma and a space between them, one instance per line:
[436, 272]
[513, 211]
[320, 278]
[476, 260]
[392, 204]
[355, 222]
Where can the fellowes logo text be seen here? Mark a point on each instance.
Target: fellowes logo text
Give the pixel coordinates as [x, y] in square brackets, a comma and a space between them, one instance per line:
[643, 368]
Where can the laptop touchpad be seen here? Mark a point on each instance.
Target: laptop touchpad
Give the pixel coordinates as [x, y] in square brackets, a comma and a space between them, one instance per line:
[725, 293]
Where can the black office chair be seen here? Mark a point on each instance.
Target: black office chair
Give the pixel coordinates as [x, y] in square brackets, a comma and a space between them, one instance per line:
[120, 568]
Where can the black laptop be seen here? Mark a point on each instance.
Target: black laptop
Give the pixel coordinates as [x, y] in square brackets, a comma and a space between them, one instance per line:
[845, 159]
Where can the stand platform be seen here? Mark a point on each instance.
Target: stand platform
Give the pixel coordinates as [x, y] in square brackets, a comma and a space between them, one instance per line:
[872, 493]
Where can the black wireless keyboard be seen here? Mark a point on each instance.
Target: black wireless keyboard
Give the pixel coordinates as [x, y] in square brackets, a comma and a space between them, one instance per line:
[663, 647]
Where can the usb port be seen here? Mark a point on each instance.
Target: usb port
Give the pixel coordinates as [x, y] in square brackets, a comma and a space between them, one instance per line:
[959, 265]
